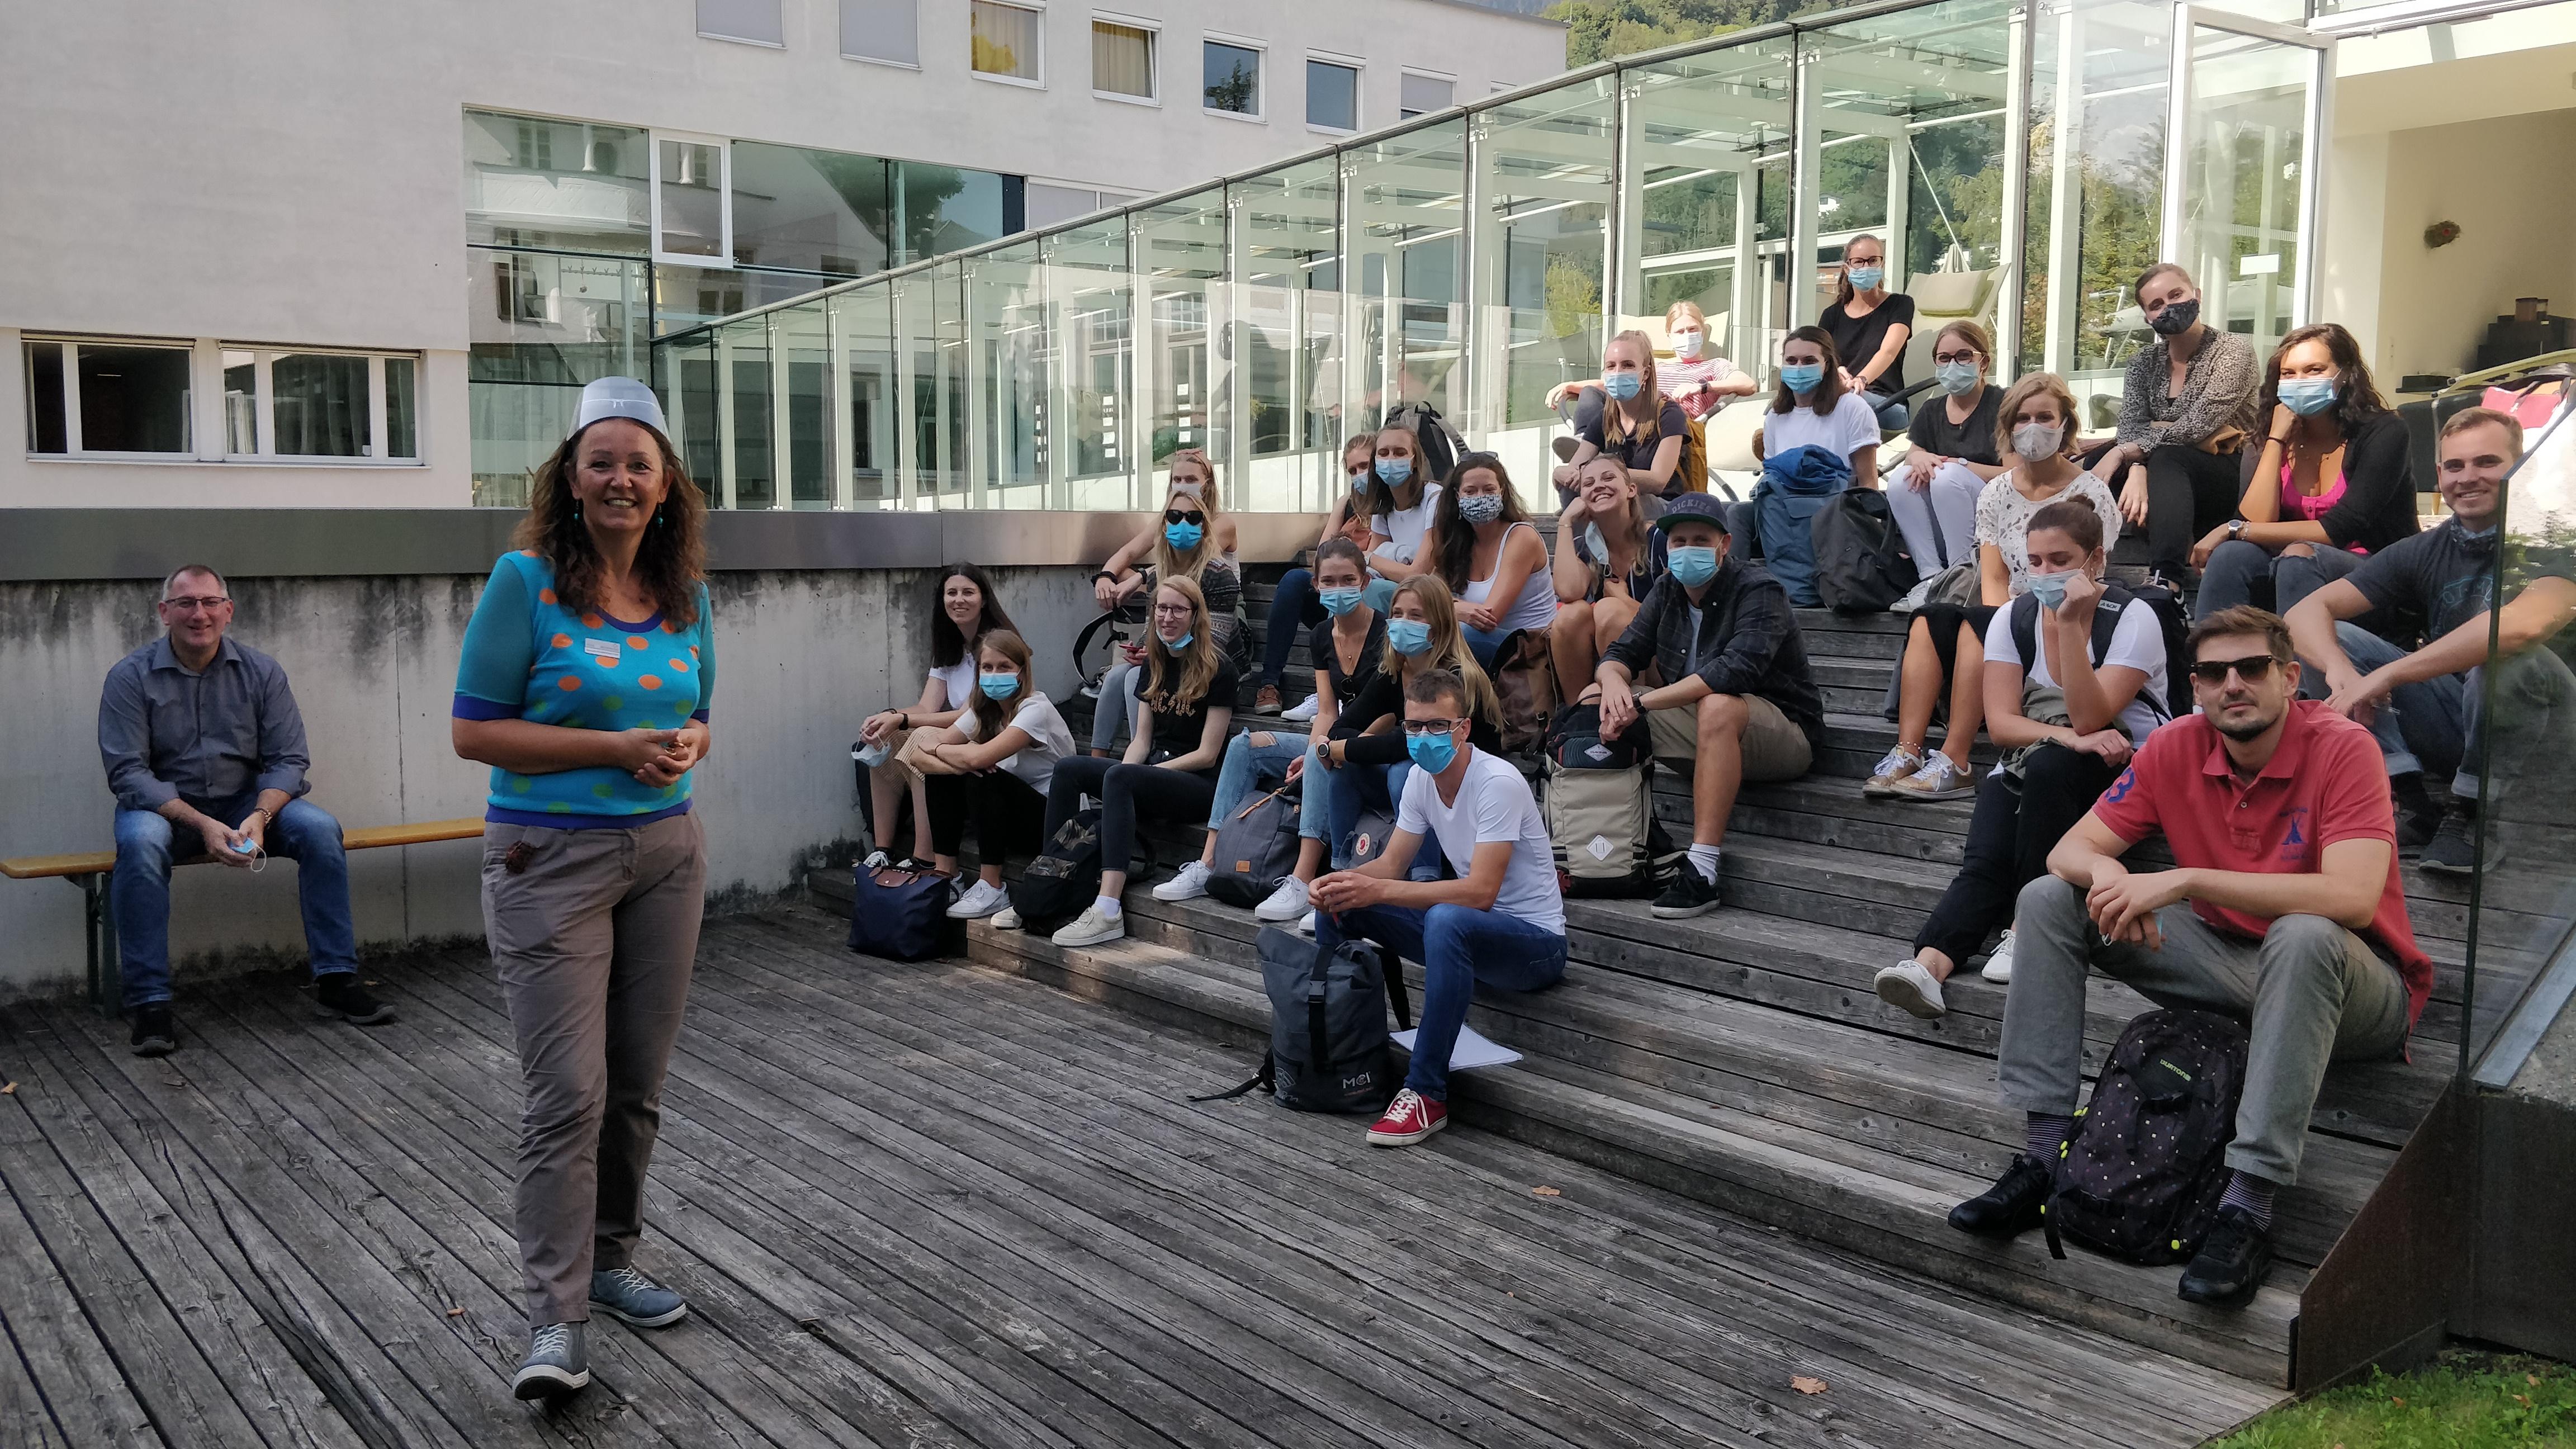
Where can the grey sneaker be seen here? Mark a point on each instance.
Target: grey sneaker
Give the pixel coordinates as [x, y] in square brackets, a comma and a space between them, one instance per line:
[558, 1362]
[1892, 767]
[1908, 986]
[1091, 928]
[629, 1297]
[1939, 779]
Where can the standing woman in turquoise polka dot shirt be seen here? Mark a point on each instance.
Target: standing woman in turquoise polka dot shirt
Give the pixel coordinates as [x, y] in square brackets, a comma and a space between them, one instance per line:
[585, 680]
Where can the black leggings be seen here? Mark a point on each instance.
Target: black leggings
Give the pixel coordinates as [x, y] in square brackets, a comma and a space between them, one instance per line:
[1008, 813]
[2009, 838]
[1125, 791]
[2189, 492]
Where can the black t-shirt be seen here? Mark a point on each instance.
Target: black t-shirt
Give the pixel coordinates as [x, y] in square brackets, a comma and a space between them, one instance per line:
[1347, 687]
[2440, 578]
[1858, 339]
[1973, 440]
[1638, 453]
[1178, 734]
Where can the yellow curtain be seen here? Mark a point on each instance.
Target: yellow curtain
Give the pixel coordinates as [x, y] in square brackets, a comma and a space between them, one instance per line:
[1122, 59]
[1005, 39]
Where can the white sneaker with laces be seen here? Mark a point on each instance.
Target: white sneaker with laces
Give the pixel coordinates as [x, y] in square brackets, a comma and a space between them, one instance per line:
[1897, 764]
[1285, 904]
[1189, 885]
[1939, 779]
[1091, 928]
[1306, 924]
[1303, 711]
[981, 899]
[877, 860]
[1005, 919]
[1998, 968]
[1909, 987]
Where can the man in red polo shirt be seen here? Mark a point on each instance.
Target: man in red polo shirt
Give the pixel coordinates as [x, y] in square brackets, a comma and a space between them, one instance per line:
[2283, 908]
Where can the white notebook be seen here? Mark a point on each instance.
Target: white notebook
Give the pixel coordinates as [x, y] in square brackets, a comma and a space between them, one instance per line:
[1472, 1051]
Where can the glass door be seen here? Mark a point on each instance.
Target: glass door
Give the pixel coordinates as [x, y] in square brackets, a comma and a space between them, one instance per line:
[2243, 163]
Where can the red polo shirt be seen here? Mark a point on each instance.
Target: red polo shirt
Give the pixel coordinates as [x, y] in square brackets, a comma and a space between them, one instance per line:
[2325, 783]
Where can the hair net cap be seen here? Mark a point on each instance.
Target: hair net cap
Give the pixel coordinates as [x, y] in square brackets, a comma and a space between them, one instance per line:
[618, 397]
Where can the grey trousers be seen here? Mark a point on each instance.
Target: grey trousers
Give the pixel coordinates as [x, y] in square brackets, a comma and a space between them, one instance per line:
[594, 940]
[2314, 992]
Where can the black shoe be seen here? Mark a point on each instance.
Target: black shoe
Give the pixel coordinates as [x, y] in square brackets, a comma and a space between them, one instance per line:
[2453, 849]
[2231, 1262]
[154, 1036]
[2418, 818]
[341, 994]
[2012, 1205]
[1690, 894]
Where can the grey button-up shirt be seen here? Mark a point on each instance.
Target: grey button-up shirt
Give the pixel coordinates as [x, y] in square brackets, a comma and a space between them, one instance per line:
[166, 734]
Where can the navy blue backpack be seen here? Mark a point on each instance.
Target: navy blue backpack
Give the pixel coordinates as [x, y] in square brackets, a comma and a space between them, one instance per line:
[903, 914]
[1796, 486]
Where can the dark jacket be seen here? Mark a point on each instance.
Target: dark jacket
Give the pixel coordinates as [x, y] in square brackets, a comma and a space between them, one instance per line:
[1748, 637]
[2378, 503]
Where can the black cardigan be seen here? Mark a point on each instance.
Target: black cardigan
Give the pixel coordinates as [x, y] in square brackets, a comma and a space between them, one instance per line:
[2378, 503]
[1385, 696]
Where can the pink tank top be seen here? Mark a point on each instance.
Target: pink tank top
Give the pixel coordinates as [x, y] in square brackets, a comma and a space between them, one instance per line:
[2307, 508]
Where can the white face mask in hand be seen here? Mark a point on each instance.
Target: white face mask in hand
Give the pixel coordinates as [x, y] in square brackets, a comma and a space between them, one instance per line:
[2034, 441]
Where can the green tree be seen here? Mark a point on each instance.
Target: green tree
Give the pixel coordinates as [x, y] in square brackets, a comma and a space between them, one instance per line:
[1604, 29]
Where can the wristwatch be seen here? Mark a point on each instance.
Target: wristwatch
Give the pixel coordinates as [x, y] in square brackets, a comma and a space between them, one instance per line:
[2235, 529]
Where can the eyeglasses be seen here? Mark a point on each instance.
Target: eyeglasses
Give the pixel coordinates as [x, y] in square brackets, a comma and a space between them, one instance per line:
[1427, 727]
[1944, 359]
[1183, 515]
[2253, 669]
[208, 602]
[1172, 611]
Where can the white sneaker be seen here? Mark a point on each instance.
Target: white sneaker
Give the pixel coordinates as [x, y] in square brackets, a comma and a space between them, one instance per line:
[1189, 885]
[1895, 765]
[1939, 779]
[981, 899]
[1285, 904]
[1306, 924]
[876, 860]
[1005, 919]
[1915, 597]
[1998, 967]
[1092, 929]
[1303, 711]
[1911, 987]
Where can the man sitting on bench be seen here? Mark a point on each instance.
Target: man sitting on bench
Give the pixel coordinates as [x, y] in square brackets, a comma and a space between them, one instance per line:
[1501, 921]
[205, 753]
[2283, 908]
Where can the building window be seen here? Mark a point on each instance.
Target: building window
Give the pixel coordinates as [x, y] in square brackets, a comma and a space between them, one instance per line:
[1423, 94]
[810, 211]
[882, 30]
[330, 405]
[107, 397]
[1332, 95]
[1005, 40]
[533, 181]
[691, 223]
[1233, 79]
[1122, 60]
[757, 21]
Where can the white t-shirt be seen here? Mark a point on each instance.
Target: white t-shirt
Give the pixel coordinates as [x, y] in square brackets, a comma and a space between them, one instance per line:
[1850, 427]
[1049, 741]
[1405, 526]
[959, 680]
[2003, 519]
[1494, 803]
[2138, 642]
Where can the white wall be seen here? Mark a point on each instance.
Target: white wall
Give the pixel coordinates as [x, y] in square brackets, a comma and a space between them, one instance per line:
[803, 658]
[2503, 181]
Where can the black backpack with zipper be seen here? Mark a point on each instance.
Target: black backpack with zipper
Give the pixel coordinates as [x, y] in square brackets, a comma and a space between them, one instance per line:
[1330, 1050]
[1862, 563]
[2141, 1177]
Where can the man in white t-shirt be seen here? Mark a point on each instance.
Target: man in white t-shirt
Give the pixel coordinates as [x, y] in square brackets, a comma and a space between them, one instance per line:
[1501, 921]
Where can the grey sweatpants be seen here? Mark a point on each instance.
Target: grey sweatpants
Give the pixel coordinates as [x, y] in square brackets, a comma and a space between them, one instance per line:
[2314, 992]
[594, 939]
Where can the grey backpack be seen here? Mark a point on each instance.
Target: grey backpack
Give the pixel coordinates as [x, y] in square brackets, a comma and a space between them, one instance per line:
[1255, 846]
[1330, 1050]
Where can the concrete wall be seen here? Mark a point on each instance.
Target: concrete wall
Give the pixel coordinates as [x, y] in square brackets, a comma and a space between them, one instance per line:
[804, 657]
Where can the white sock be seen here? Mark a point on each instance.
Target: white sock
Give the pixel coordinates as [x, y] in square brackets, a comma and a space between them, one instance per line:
[1704, 859]
[1107, 906]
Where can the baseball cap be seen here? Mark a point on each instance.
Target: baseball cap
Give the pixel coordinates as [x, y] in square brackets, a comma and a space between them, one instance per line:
[1692, 508]
[618, 397]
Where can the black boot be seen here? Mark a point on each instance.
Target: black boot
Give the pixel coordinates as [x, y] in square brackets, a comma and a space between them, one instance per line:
[2418, 818]
[2010, 1206]
[2231, 1262]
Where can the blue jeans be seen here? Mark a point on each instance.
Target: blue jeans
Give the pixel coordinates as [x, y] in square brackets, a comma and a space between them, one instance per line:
[1891, 413]
[1293, 609]
[2240, 572]
[1352, 789]
[147, 846]
[1484, 644]
[1458, 946]
[2427, 725]
[1247, 764]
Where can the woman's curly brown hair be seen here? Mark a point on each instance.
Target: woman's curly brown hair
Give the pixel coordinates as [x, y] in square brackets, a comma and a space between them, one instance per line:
[672, 562]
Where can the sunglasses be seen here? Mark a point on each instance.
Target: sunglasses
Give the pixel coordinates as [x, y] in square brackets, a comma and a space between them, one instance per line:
[1424, 727]
[1183, 515]
[2253, 669]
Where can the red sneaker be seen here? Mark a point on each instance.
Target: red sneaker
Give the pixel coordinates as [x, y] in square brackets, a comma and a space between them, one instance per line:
[1409, 1118]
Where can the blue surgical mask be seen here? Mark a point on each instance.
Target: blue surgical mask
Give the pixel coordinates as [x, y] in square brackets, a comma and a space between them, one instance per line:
[2307, 396]
[999, 686]
[1338, 602]
[1693, 566]
[1183, 642]
[1431, 752]
[1360, 481]
[2049, 589]
[1622, 385]
[1594, 544]
[1957, 378]
[1866, 279]
[1481, 508]
[1395, 470]
[1801, 377]
[1408, 637]
[1184, 535]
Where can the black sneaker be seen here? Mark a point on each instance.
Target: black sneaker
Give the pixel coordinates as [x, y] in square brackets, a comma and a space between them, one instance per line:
[154, 1036]
[2231, 1262]
[1690, 894]
[2012, 1205]
[341, 994]
[2453, 849]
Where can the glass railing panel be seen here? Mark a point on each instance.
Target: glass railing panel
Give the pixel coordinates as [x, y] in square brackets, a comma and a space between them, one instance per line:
[1708, 148]
[930, 416]
[2523, 911]
[686, 297]
[1010, 365]
[538, 326]
[1403, 287]
[2242, 193]
[1546, 175]
[1184, 368]
[802, 384]
[1286, 445]
[1091, 303]
[747, 412]
[863, 421]
[685, 374]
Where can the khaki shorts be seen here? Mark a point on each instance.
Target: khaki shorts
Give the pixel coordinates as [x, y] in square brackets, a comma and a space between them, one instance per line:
[1774, 747]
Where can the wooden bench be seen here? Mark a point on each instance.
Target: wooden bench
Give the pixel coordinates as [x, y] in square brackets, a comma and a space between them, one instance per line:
[90, 871]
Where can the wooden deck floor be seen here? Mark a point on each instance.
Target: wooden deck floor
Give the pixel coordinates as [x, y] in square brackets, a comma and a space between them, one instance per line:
[929, 1205]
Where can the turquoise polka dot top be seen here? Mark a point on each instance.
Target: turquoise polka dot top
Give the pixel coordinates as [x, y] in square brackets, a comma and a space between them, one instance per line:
[528, 657]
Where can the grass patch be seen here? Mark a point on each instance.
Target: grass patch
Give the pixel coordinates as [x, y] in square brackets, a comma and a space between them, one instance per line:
[2463, 1399]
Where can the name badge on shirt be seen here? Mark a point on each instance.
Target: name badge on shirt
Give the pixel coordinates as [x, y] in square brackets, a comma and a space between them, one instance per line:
[607, 649]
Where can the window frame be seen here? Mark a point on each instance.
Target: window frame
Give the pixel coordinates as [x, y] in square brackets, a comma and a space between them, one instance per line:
[1260, 115]
[842, 41]
[1034, 7]
[1359, 75]
[68, 345]
[264, 356]
[1401, 114]
[205, 356]
[723, 147]
[1153, 56]
[779, 44]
